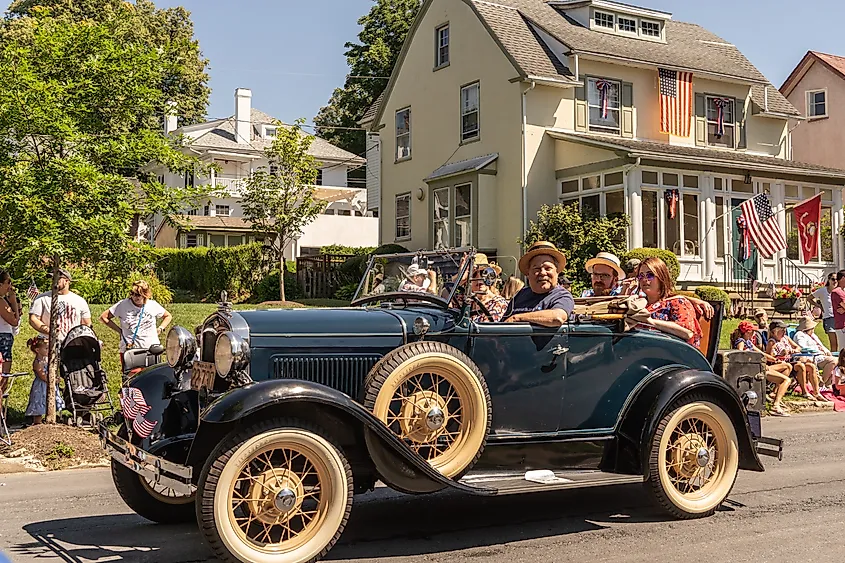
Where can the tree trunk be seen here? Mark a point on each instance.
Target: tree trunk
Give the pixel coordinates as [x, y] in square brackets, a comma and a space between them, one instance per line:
[282, 275]
[53, 370]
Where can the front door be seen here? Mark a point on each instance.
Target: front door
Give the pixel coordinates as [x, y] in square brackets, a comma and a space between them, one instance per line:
[744, 267]
[524, 367]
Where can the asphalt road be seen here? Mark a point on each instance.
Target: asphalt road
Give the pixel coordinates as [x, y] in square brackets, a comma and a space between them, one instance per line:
[795, 511]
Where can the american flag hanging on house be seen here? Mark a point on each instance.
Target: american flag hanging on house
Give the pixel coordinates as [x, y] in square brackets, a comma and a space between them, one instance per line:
[603, 87]
[675, 102]
[763, 226]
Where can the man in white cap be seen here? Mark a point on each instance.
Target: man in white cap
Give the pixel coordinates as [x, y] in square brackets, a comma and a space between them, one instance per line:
[606, 271]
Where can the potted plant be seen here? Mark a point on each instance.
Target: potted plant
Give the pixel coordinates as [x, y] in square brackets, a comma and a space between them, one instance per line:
[786, 299]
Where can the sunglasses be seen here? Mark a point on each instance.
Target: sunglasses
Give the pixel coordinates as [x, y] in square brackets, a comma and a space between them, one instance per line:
[135, 294]
[646, 276]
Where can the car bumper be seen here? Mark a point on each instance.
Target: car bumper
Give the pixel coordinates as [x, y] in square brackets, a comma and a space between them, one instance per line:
[157, 470]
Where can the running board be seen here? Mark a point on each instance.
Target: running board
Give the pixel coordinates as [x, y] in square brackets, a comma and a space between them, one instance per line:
[500, 483]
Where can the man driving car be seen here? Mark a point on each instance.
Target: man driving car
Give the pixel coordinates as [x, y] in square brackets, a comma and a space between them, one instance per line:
[543, 301]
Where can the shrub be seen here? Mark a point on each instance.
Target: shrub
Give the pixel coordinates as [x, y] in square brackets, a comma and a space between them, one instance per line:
[268, 288]
[208, 271]
[710, 293]
[346, 292]
[109, 291]
[353, 268]
[353, 250]
[642, 253]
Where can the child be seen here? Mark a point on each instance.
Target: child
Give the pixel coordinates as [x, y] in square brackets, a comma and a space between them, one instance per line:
[37, 406]
[838, 382]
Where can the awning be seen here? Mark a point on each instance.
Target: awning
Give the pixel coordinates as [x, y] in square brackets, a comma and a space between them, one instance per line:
[651, 150]
[462, 167]
[330, 194]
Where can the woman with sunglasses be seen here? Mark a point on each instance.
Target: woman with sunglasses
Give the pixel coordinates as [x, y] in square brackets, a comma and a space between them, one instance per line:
[495, 304]
[670, 313]
[137, 314]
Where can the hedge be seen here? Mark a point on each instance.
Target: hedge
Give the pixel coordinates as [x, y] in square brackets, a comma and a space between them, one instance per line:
[111, 291]
[710, 293]
[642, 253]
[208, 271]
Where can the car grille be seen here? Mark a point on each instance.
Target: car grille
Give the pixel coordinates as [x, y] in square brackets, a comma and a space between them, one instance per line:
[344, 373]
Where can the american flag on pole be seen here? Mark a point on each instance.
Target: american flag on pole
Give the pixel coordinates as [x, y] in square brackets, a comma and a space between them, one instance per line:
[32, 292]
[763, 226]
[675, 102]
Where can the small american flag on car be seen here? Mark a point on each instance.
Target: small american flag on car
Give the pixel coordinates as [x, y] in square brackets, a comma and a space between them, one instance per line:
[143, 427]
[763, 226]
[132, 403]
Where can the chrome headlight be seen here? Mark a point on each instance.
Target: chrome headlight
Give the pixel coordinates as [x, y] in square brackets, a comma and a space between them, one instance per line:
[231, 352]
[180, 347]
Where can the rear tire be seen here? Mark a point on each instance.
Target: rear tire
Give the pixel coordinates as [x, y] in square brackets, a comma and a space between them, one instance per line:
[146, 502]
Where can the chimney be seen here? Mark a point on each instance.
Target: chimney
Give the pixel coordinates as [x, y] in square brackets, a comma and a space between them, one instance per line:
[171, 121]
[243, 120]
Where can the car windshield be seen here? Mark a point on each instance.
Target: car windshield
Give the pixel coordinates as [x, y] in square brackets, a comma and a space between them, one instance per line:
[398, 276]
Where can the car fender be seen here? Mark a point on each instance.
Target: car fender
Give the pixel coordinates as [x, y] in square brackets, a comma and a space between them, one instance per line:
[652, 401]
[174, 414]
[227, 412]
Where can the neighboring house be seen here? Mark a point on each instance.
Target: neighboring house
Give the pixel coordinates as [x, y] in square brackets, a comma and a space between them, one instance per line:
[236, 145]
[498, 107]
[817, 88]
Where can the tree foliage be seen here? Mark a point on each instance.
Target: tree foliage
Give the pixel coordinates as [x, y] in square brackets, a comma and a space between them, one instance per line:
[281, 199]
[380, 41]
[580, 237]
[170, 30]
[74, 98]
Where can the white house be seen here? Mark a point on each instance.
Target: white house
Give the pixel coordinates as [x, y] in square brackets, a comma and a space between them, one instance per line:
[236, 144]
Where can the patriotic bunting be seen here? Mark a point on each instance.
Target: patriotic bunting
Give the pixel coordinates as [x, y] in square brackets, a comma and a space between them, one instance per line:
[603, 87]
[721, 104]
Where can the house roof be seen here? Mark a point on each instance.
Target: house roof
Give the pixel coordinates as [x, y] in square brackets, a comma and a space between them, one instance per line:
[222, 136]
[769, 100]
[218, 223]
[462, 166]
[371, 112]
[694, 155]
[834, 63]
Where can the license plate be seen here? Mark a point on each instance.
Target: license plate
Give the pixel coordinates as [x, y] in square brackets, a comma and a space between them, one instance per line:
[203, 375]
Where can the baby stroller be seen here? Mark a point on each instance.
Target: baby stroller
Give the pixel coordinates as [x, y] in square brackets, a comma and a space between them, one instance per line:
[86, 391]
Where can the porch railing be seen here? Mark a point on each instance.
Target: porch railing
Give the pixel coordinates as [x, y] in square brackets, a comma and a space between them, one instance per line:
[740, 279]
[229, 183]
[791, 273]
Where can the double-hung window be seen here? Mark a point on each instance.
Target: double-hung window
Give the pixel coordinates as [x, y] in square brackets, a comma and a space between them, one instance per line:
[720, 128]
[403, 216]
[441, 55]
[603, 100]
[403, 134]
[221, 210]
[470, 129]
[604, 19]
[817, 103]
[452, 216]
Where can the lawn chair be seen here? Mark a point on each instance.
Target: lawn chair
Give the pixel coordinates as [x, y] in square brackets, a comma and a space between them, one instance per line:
[5, 435]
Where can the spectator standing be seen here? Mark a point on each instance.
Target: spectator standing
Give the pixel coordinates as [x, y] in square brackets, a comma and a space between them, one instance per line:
[72, 311]
[138, 315]
[37, 406]
[10, 319]
[837, 302]
[823, 296]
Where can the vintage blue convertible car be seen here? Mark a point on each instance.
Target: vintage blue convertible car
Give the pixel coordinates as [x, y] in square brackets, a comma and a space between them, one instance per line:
[264, 423]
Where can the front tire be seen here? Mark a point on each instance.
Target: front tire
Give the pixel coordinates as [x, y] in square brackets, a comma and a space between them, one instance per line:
[278, 492]
[694, 459]
[153, 503]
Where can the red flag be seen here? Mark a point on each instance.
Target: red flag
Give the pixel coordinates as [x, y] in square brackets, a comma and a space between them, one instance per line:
[807, 216]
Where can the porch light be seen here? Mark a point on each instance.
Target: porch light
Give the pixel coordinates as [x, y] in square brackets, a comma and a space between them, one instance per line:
[748, 178]
[420, 193]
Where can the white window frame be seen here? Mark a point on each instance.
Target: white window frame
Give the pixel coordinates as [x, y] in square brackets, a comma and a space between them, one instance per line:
[660, 189]
[270, 131]
[591, 81]
[400, 157]
[619, 29]
[442, 41]
[642, 25]
[465, 136]
[728, 124]
[812, 104]
[601, 191]
[452, 218]
[447, 221]
[219, 206]
[397, 216]
[606, 17]
[196, 241]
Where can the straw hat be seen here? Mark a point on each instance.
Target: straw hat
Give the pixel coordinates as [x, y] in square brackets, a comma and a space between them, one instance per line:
[481, 260]
[541, 248]
[807, 324]
[606, 259]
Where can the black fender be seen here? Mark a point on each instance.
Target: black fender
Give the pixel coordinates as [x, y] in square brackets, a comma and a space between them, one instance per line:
[175, 413]
[653, 400]
[287, 397]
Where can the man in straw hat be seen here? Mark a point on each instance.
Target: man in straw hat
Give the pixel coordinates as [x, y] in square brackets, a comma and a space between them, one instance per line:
[543, 302]
[805, 337]
[605, 271]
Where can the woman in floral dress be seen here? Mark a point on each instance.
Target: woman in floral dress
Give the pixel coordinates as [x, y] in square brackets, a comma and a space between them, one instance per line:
[670, 313]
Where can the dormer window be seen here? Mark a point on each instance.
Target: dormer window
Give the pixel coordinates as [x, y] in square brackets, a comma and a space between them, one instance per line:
[604, 20]
[627, 25]
[269, 131]
[650, 29]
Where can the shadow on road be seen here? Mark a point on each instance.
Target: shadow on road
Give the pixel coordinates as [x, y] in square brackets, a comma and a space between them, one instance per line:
[382, 524]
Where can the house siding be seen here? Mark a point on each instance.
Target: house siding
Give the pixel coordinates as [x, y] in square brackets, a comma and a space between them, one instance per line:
[820, 141]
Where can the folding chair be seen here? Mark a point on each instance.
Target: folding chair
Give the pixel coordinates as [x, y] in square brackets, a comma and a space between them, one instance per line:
[5, 435]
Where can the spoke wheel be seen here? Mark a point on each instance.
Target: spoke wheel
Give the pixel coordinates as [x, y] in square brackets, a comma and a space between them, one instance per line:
[165, 495]
[434, 399]
[279, 495]
[694, 459]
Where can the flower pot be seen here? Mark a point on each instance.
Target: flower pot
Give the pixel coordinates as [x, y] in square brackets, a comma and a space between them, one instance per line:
[787, 305]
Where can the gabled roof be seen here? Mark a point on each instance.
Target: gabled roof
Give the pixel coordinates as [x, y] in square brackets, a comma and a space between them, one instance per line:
[769, 100]
[834, 63]
[371, 112]
[222, 136]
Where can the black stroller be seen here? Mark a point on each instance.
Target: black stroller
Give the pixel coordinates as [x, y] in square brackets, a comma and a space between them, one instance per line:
[86, 391]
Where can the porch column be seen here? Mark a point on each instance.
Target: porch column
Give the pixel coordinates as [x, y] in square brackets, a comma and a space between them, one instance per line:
[836, 224]
[633, 187]
[710, 230]
[778, 196]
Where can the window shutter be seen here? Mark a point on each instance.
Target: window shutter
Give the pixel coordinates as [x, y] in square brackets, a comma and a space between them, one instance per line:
[200, 240]
[581, 110]
[700, 120]
[739, 115]
[183, 240]
[627, 110]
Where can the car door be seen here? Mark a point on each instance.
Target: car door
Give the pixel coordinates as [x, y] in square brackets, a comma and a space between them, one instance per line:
[525, 367]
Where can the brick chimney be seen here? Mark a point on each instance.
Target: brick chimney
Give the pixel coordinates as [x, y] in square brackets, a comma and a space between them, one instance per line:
[243, 120]
[171, 121]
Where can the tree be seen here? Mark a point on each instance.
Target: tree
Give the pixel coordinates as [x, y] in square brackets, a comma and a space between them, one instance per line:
[185, 80]
[579, 236]
[281, 199]
[384, 31]
[73, 101]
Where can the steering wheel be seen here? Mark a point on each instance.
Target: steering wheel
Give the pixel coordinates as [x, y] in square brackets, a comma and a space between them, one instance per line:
[483, 308]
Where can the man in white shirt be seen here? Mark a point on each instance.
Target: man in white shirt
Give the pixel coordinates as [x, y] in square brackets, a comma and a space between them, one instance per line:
[72, 311]
[805, 337]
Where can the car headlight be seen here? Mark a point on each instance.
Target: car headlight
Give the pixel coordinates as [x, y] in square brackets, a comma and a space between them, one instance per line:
[180, 347]
[231, 352]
